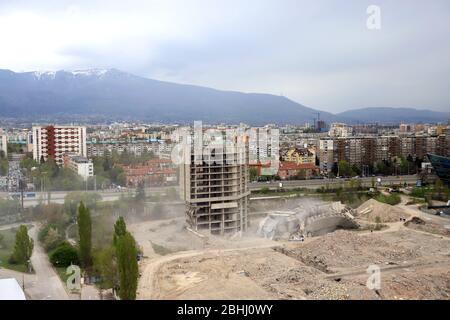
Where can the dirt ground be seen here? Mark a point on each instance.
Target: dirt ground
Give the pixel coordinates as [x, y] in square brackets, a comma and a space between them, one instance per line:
[372, 209]
[343, 249]
[416, 267]
[414, 264]
[428, 226]
[259, 274]
[170, 236]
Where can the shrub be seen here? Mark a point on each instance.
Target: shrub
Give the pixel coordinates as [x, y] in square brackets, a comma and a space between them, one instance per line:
[265, 190]
[44, 230]
[52, 240]
[418, 192]
[50, 236]
[391, 199]
[64, 255]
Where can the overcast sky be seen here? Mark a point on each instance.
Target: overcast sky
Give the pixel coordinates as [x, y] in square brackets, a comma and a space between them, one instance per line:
[318, 53]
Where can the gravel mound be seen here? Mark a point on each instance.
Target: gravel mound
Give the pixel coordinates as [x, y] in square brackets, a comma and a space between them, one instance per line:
[343, 249]
[371, 209]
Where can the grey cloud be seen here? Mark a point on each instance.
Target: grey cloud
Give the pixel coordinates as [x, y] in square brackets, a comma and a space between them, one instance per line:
[318, 53]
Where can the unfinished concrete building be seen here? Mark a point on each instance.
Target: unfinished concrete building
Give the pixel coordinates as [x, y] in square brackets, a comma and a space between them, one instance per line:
[214, 186]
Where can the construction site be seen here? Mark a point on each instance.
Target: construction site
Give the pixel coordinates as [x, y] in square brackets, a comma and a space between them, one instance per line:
[301, 248]
[226, 245]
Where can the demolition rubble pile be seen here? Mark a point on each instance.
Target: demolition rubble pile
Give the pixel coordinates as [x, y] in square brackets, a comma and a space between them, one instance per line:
[431, 227]
[415, 265]
[343, 248]
[371, 209]
[303, 222]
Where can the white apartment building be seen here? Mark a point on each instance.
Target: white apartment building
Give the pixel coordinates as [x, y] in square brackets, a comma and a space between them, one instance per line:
[100, 149]
[340, 130]
[80, 165]
[327, 154]
[264, 144]
[56, 141]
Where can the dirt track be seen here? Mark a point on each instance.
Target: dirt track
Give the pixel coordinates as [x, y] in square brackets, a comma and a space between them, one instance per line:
[147, 283]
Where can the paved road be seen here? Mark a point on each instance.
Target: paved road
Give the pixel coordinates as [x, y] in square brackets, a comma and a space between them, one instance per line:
[317, 183]
[48, 283]
[44, 283]
[58, 196]
[11, 226]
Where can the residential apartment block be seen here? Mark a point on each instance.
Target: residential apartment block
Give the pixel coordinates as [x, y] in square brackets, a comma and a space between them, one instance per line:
[387, 147]
[327, 154]
[135, 148]
[57, 141]
[368, 150]
[301, 155]
[340, 130]
[263, 144]
[80, 165]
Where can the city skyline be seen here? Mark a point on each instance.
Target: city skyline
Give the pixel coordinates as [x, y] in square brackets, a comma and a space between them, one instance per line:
[319, 48]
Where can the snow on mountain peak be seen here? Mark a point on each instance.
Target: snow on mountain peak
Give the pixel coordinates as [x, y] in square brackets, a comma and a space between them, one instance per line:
[90, 72]
[93, 72]
[46, 74]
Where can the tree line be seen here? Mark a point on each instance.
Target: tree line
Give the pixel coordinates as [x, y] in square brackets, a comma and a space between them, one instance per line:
[114, 263]
[48, 176]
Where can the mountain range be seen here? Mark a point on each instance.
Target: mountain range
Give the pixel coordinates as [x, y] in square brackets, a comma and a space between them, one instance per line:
[117, 94]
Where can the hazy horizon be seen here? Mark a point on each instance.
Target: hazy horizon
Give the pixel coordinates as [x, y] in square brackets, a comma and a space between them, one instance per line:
[321, 54]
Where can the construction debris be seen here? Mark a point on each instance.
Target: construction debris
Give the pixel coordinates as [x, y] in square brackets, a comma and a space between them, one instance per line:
[296, 224]
[414, 265]
[415, 220]
[279, 225]
[338, 249]
[419, 224]
[198, 234]
[330, 267]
